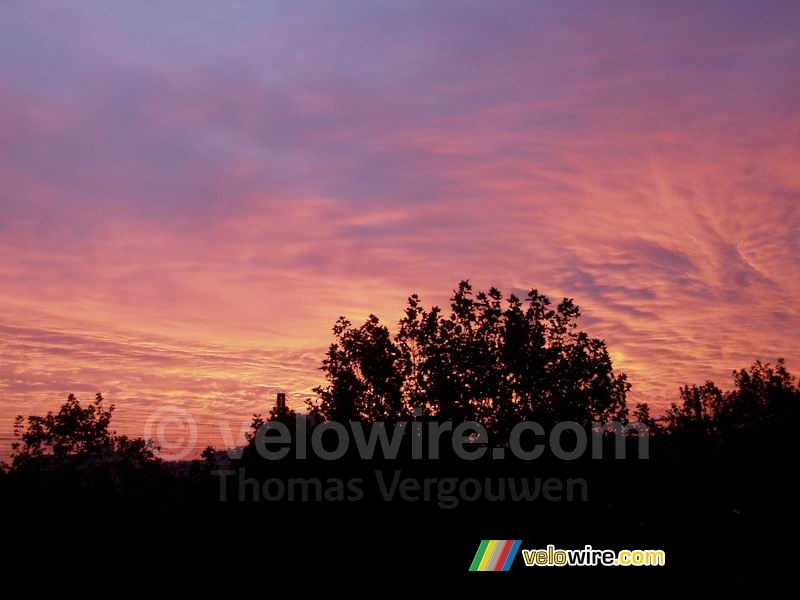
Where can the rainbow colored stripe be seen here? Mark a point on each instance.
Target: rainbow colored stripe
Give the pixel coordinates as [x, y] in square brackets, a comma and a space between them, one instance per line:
[495, 555]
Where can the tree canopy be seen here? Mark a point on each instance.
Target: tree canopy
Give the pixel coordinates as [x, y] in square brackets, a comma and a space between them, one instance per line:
[489, 360]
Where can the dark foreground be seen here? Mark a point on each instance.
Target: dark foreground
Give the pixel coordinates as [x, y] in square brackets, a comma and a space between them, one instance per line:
[718, 519]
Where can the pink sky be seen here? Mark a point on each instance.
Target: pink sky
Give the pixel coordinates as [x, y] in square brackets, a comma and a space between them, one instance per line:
[192, 193]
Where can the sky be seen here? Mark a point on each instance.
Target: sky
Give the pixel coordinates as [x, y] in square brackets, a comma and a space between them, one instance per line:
[192, 192]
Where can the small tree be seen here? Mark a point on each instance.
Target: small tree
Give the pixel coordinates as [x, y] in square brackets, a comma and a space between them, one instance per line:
[75, 431]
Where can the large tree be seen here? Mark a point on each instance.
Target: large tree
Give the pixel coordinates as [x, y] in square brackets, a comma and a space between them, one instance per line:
[488, 360]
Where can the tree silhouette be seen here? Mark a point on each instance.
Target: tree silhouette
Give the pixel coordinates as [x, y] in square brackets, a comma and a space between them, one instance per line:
[763, 397]
[488, 360]
[75, 431]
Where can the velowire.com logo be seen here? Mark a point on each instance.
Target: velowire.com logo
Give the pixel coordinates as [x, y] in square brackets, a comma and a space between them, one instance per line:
[498, 555]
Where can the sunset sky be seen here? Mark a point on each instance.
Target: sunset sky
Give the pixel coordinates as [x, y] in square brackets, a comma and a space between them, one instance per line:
[192, 192]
